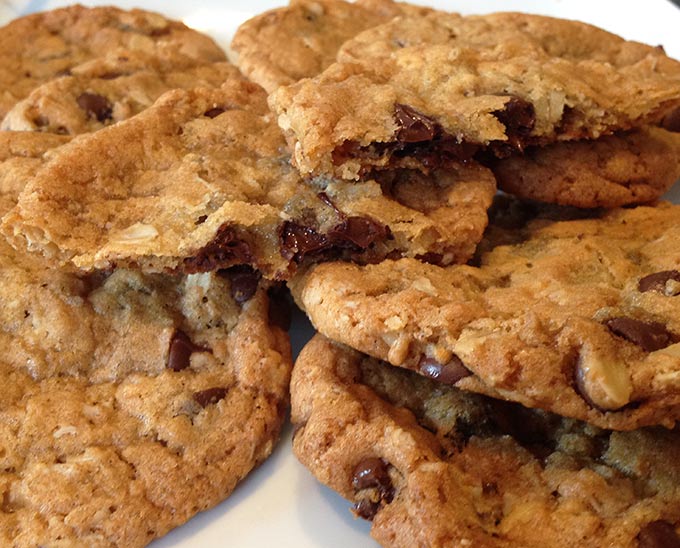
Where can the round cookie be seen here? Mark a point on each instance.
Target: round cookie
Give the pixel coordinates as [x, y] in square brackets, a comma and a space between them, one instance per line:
[201, 180]
[578, 316]
[41, 46]
[611, 171]
[106, 90]
[284, 45]
[433, 90]
[130, 402]
[434, 466]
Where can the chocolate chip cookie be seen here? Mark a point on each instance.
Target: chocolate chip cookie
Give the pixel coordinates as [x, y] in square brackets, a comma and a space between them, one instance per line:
[131, 402]
[434, 90]
[575, 316]
[39, 47]
[431, 465]
[201, 181]
[612, 171]
[107, 90]
[284, 45]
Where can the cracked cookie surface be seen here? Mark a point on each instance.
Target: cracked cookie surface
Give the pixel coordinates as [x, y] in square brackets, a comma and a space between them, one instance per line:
[575, 316]
[39, 47]
[431, 465]
[437, 89]
[284, 45]
[201, 180]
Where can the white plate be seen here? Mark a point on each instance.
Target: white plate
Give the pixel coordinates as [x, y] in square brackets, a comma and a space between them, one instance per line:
[280, 504]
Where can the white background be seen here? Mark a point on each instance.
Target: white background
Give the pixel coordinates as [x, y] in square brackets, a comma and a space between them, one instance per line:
[280, 504]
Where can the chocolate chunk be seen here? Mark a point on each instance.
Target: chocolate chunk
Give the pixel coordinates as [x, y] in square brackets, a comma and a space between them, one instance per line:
[414, 126]
[280, 306]
[353, 233]
[366, 509]
[657, 281]
[181, 348]
[658, 534]
[360, 231]
[210, 396]
[371, 473]
[213, 112]
[225, 250]
[95, 105]
[297, 241]
[519, 117]
[243, 280]
[649, 336]
[447, 373]
[672, 121]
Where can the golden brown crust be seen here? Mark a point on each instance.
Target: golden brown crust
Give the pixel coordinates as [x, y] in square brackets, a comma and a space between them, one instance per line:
[539, 322]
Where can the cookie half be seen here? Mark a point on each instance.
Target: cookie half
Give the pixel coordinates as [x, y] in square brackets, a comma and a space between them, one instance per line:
[284, 45]
[39, 47]
[433, 90]
[106, 90]
[202, 181]
[131, 402]
[611, 171]
[578, 317]
[434, 466]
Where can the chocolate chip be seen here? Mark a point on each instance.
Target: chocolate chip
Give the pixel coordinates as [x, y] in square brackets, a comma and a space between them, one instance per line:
[658, 534]
[297, 240]
[447, 373]
[360, 231]
[280, 311]
[657, 281]
[372, 473]
[210, 396]
[672, 121]
[213, 112]
[95, 105]
[649, 336]
[352, 233]
[181, 348]
[414, 126]
[201, 219]
[366, 509]
[519, 117]
[243, 280]
[225, 250]
[160, 32]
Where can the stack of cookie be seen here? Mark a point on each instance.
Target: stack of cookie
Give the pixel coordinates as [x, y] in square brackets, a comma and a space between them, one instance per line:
[524, 395]
[490, 370]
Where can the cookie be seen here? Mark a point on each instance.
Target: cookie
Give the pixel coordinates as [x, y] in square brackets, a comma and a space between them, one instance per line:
[434, 466]
[110, 89]
[202, 181]
[131, 402]
[39, 47]
[578, 317]
[434, 90]
[284, 45]
[611, 171]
